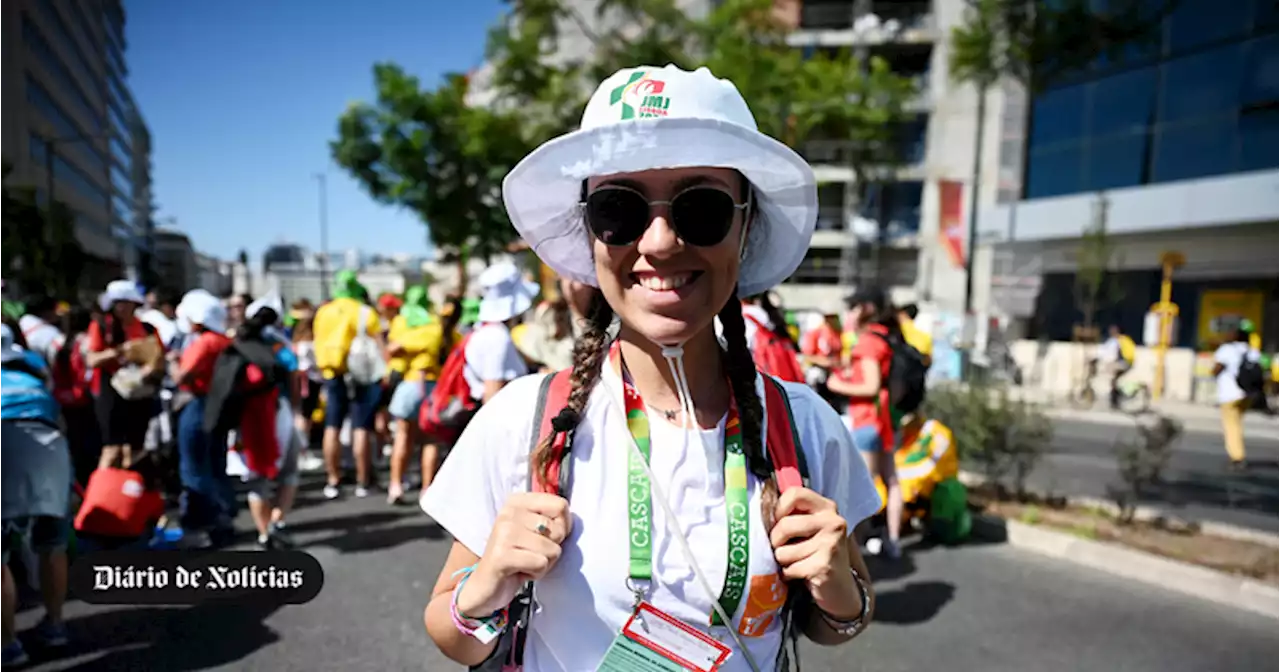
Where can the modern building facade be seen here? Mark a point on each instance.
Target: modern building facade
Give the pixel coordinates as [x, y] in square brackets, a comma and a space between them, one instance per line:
[1174, 148]
[888, 232]
[72, 131]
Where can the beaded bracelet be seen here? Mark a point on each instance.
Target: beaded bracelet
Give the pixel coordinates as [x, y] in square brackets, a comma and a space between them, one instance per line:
[485, 630]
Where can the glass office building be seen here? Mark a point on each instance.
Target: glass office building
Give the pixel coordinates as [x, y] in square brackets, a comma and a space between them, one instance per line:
[1172, 146]
[1196, 101]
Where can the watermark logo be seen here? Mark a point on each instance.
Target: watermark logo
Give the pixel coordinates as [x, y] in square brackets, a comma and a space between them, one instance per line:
[187, 578]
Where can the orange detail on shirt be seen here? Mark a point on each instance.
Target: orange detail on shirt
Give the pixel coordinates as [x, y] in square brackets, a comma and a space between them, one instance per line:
[765, 597]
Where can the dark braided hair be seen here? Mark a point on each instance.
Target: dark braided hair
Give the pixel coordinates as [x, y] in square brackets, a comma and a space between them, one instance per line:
[741, 370]
[589, 353]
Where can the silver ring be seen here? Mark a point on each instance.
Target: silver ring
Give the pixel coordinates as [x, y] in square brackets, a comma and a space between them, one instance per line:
[542, 527]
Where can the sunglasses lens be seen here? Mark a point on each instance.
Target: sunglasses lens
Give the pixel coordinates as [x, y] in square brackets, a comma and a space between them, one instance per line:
[703, 215]
[617, 216]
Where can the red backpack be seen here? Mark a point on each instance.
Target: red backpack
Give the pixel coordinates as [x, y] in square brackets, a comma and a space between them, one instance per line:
[775, 356]
[782, 441]
[445, 413]
[70, 385]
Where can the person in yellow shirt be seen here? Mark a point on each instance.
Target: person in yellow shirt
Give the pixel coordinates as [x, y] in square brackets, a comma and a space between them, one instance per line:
[415, 344]
[335, 328]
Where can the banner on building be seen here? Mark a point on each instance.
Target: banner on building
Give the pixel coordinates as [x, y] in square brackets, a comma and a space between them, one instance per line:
[951, 219]
[1222, 310]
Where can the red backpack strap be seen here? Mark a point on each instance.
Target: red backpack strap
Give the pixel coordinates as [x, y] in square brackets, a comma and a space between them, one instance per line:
[783, 440]
[553, 394]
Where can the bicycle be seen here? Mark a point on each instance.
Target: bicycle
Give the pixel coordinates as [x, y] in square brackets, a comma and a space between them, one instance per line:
[1135, 396]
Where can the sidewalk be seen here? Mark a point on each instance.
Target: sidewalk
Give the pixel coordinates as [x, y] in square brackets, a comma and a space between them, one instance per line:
[1194, 417]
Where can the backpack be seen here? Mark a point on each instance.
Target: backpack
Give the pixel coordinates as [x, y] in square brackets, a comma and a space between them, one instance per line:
[445, 413]
[365, 365]
[774, 355]
[907, 375]
[70, 384]
[1251, 377]
[781, 440]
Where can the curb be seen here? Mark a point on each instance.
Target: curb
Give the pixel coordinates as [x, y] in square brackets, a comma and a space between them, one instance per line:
[1188, 579]
[1146, 514]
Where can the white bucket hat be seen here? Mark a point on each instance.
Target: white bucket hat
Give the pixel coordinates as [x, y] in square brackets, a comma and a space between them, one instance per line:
[506, 293]
[121, 290]
[649, 118]
[200, 307]
[270, 300]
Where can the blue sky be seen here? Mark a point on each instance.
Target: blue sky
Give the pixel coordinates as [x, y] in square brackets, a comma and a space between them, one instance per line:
[242, 98]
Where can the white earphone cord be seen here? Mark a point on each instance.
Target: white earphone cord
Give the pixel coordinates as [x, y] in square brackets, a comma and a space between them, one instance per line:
[686, 400]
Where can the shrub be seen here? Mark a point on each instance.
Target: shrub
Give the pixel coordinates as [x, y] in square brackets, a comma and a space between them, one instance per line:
[1142, 461]
[1004, 437]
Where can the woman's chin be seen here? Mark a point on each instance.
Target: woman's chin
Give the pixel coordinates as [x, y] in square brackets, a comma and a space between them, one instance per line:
[669, 329]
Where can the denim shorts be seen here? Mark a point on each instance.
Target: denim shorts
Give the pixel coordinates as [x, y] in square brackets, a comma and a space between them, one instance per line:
[867, 439]
[408, 398]
[361, 404]
[47, 533]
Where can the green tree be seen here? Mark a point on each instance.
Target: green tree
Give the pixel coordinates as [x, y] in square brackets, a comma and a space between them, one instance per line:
[432, 153]
[39, 248]
[1096, 258]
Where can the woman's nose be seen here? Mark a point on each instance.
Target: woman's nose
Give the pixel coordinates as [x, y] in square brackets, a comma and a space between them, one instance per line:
[660, 239]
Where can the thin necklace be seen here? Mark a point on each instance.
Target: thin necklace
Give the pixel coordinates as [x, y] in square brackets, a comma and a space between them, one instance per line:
[669, 415]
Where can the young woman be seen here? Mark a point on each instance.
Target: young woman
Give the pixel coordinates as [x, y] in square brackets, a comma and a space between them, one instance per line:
[667, 450]
[115, 341]
[864, 381]
[202, 456]
[414, 343]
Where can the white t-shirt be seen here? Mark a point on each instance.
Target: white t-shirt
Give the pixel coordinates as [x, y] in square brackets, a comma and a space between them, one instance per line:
[42, 338]
[584, 598]
[491, 355]
[1109, 351]
[1231, 356]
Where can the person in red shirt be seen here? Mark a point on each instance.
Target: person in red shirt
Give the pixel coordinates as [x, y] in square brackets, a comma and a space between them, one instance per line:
[821, 345]
[112, 342]
[201, 456]
[865, 382]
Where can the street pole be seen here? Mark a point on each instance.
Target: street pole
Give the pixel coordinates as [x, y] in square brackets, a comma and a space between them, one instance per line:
[324, 239]
[970, 324]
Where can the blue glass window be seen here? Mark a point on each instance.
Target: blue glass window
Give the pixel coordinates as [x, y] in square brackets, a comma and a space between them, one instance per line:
[121, 153]
[1117, 161]
[62, 124]
[1195, 23]
[62, 34]
[1123, 103]
[1058, 116]
[1261, 72]
[66, 173]
[1055, 171]
[49, 59]
[1259, 139]
[121, 182]
[1201, 85]
[1188, 151]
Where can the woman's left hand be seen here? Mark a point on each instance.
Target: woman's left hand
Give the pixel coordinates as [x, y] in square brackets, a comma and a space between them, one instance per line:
[810, 542]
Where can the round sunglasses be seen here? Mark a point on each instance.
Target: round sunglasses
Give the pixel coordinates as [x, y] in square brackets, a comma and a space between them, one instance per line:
[701, 216]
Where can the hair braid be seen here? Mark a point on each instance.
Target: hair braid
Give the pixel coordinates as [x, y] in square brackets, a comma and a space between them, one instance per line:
[741, 369]
[588, 357]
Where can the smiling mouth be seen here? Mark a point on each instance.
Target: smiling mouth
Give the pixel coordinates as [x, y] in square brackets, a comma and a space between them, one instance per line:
[668, 282]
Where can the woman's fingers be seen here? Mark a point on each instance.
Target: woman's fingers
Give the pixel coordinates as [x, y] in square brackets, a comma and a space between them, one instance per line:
[555, 529]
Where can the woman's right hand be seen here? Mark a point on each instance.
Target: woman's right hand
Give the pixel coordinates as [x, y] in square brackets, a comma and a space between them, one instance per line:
[516, 551]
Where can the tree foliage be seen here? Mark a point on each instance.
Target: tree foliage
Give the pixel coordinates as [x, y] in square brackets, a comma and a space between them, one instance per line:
[1036, 43]
[1096, 259]
[39, 248]
[442, 152]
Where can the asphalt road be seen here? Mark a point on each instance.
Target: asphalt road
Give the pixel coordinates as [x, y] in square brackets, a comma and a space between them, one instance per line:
[979, 607]
[1198, 484]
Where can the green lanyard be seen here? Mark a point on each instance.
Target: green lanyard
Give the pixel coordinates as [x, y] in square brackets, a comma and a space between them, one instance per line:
[640, 502]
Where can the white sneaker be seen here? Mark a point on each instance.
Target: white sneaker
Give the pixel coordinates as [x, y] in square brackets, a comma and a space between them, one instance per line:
[310, 463]
[362, 491]
[332, 492]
